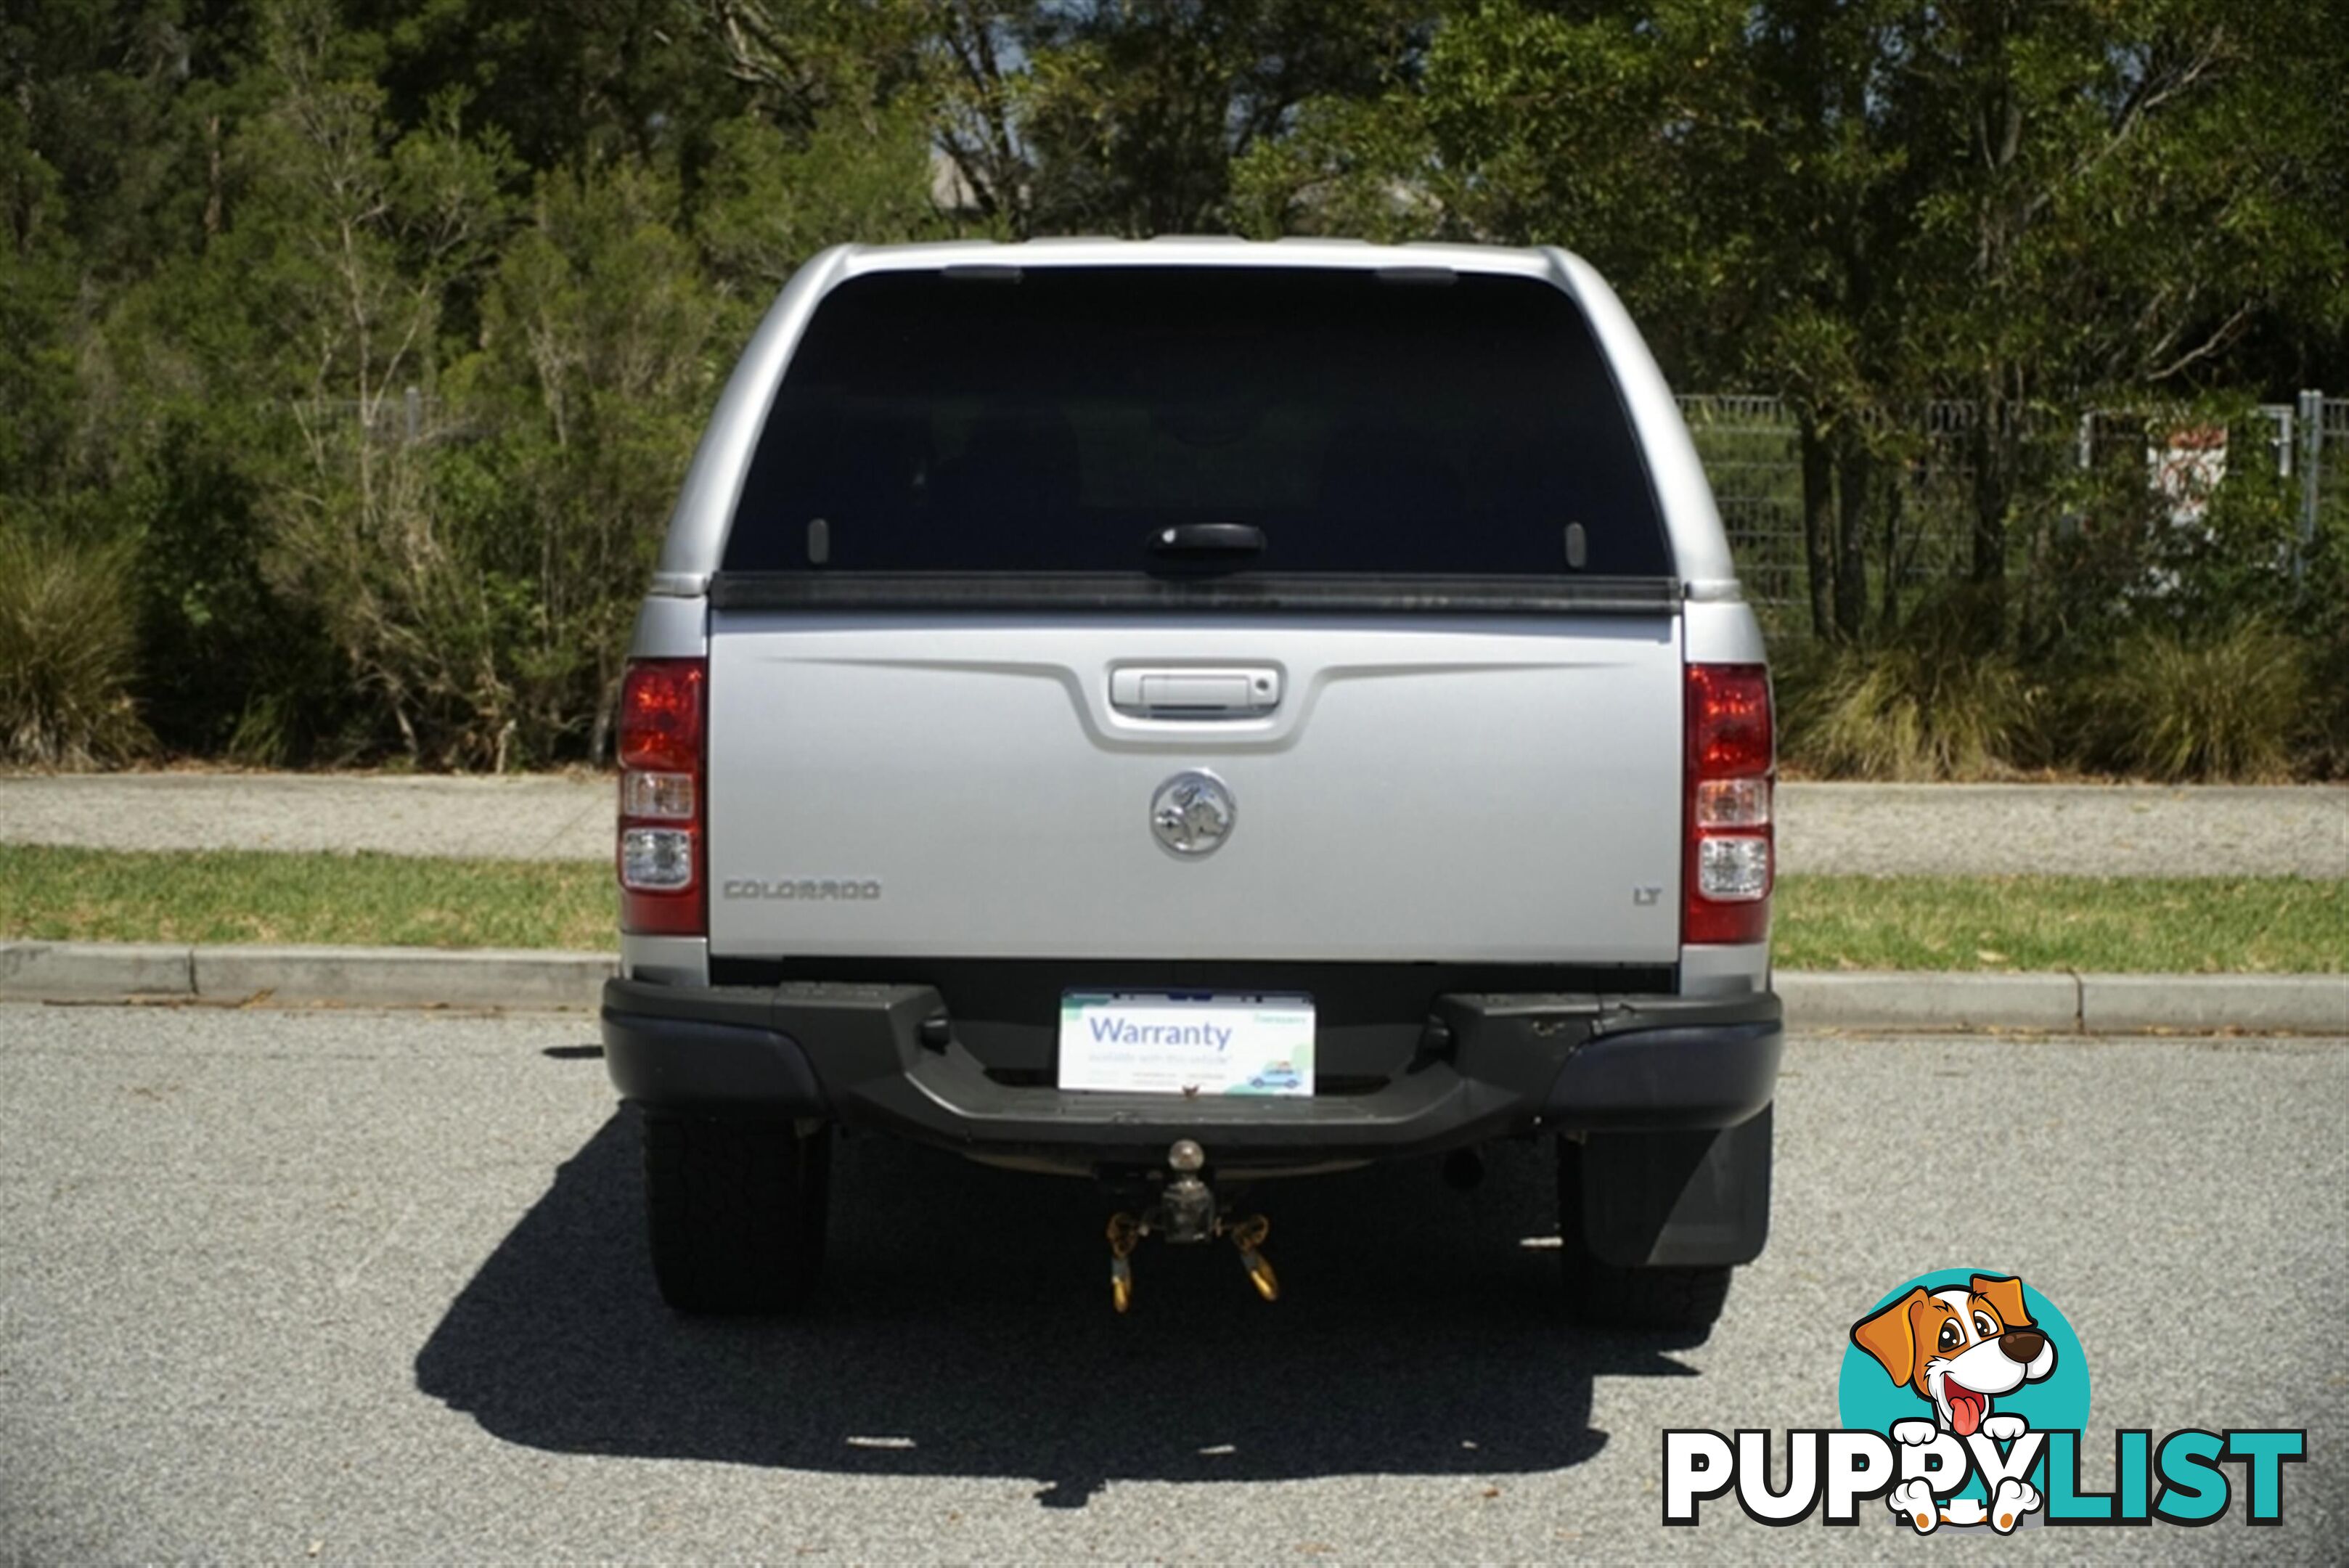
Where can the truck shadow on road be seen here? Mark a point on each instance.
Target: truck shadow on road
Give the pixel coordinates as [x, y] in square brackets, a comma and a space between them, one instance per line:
[965, 1329]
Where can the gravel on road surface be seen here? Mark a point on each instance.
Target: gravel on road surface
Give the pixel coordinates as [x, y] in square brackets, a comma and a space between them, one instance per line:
[2065, 830]
[513, 817]
[1867, 829]
[338, 1285]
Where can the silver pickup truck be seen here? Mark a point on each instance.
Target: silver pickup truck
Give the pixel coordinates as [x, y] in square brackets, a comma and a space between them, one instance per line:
[1185, 714]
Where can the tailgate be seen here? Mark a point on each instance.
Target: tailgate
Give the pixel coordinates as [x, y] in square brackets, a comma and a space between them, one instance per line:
[1483, 789]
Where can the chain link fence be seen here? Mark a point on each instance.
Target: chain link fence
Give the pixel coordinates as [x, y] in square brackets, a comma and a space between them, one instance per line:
[1918, 509]
[1752, 449]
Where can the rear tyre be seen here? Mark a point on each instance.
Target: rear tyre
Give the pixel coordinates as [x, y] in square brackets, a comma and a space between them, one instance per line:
[1601, 1295]
[734, 1211]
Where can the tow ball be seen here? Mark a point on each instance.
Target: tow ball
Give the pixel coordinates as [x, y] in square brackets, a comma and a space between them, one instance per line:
[1187, 1213]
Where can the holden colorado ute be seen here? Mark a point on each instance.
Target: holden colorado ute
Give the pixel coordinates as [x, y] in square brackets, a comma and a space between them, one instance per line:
[1185, 714]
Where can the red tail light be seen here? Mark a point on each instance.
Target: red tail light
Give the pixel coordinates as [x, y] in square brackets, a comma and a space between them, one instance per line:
[1732, 767]
[663, 860]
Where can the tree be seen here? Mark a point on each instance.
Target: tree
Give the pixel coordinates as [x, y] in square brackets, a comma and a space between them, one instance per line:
[1861, 205]
[1127, 116]
[2112, 196]
[600, 357]
[347, 239]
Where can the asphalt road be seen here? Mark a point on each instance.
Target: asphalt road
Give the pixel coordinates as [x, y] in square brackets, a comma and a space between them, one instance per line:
[1864, 829]
[295, 1286]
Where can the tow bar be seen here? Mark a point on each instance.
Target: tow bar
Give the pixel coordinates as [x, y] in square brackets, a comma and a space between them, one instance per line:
[1187, 1213]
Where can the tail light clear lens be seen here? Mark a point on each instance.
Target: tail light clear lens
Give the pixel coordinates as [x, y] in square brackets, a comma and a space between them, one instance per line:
[662, 856]
[1732, 803]
[668, 796]
[1731, 760]
[1733, 869]
[656, 859]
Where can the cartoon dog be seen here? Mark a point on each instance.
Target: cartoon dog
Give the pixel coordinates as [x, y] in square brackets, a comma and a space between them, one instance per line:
[1958, 1348]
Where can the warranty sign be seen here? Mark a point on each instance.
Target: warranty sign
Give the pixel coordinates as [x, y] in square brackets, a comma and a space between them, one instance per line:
[1164, 1044]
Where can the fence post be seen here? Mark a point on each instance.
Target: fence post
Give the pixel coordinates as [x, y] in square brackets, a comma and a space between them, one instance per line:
[2311, 418]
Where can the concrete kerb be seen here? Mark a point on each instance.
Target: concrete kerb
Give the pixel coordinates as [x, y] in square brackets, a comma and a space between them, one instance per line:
[399, 977]
[2200, 1003]
[2069, 1003]
[361, 977]
[95, 971]
[428, 977]
[1898, 1000]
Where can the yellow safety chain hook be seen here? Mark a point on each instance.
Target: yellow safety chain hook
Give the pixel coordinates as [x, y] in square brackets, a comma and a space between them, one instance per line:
[1125, 1231]
[1248, 1236]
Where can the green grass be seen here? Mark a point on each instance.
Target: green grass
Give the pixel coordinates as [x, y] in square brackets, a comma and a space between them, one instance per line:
[256, 895]
[2246, 925]
[2256, 925]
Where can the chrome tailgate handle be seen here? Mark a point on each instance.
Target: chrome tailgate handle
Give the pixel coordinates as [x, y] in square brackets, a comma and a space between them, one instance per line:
[1192, 692]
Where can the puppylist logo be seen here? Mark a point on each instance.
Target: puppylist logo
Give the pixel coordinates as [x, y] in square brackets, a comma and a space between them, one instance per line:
[1963, 1401]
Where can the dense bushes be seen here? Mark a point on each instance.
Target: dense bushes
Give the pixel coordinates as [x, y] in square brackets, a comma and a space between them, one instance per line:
[2177, 707]
[68, 651]
[2167, 705]
[2146, 646]
[371, 465]
[1920, 705]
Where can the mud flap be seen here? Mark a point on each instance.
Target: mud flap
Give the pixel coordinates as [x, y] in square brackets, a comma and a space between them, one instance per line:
[1678, 1198]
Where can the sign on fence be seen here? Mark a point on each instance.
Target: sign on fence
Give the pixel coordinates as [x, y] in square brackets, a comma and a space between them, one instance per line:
[2188, 469]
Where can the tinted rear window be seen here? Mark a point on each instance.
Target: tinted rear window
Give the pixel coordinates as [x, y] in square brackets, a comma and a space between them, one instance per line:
[1059, 420]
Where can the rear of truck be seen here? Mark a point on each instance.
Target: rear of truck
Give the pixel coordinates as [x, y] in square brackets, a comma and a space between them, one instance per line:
[1190, 713]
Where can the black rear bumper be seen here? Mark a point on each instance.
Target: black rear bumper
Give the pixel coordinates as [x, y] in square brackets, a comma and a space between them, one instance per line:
[888, 1058]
